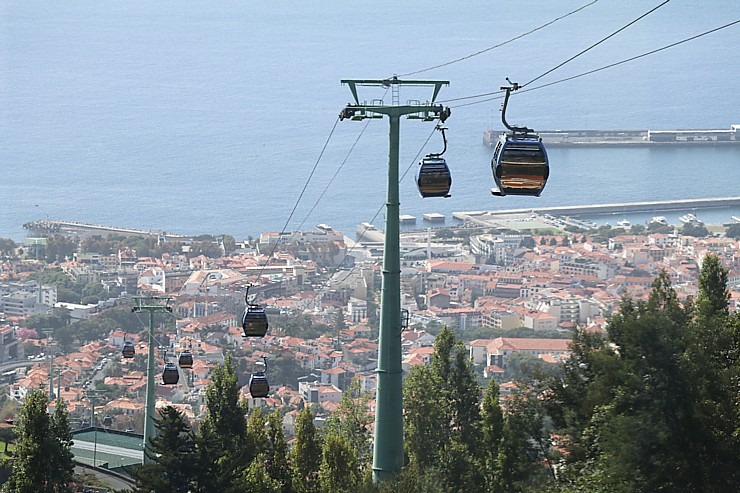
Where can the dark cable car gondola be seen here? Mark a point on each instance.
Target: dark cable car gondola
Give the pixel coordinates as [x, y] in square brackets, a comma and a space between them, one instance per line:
[254, 319]
[108, 421]
[433, 177]
[170, 375]
[519, 163]
[259, 387]
[128, 350]
[185, 360]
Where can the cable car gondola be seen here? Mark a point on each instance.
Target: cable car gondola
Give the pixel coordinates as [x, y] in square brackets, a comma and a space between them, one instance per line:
[259, 387]
[185, 360]
[433, 178]
[170, 375]
[254, 319]
[519, 164]
[108, 421]
[128, 350]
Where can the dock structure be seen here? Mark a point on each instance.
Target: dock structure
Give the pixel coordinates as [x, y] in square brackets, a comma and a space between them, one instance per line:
[73, 228]
[485, 218]
[629, 138]
[434, 217]
[406, 219]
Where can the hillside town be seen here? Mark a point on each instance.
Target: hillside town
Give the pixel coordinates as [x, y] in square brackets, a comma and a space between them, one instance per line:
[503, 293]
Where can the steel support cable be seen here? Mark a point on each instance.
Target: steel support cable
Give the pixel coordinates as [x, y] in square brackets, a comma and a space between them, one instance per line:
[336, 173]
[485, 50]
[562, 63]
[596, 44]
[377, 213]
[298, 201]
[589, 72]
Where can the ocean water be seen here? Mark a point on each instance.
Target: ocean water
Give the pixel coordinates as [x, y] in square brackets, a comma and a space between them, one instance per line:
[197, 117]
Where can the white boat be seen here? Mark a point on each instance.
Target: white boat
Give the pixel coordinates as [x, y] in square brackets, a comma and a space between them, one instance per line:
[688, 218]
[624, 223]
[659, 220]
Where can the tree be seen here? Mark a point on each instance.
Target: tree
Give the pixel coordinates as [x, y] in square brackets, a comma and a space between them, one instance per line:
[713, 358]
[339, 471]
[305, 456]
[7, 247]
[277, 458]
[352, 420]
[713, 299]
[492, 431]
[441, 414]
[221, 448]
[44, 461]
[654, 406]
[172, 453]
[733, 231]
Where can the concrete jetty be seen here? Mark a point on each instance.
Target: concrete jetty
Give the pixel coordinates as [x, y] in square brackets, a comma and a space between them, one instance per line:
[484, 217]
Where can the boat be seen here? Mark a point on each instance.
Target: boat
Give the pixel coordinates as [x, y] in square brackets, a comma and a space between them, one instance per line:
[659, 220]
[735, 219]
[624, 223]
[688, 219]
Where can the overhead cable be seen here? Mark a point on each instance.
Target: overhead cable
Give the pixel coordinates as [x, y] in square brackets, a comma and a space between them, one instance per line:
[499, 44]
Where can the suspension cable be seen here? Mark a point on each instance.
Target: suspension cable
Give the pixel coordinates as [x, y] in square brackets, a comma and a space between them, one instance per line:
[298, 201]
[597, 43]
[485, 50]
[589, 72]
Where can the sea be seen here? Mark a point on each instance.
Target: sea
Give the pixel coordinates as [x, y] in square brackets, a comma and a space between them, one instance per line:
[222, 117]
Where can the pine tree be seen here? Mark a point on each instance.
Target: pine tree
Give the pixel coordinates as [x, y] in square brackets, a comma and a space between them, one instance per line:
[492, 431]
[352, 420]
[305, 456]
[339, 471]
[172, 453]
[277, 464]
[712, 357]
[44, 461]
[442, 414]
[221, 449]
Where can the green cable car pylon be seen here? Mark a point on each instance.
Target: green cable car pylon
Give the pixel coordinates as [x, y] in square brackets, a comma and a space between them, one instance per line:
[388, 442]
[152, 305]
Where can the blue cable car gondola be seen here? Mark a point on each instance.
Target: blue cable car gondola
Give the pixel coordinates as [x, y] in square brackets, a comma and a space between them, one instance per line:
[519, 164]
[185, 360]
[170, 375]
[433, 178]
[254, 319]
[128, 350]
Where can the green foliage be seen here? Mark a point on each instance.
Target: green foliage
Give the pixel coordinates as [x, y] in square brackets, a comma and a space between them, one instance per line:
[339, 471]
[442, 415]
[300, 325]
[221, 443]
[352, 421]
[7, 247]
[733, 231]
[209, 249]
[697, 230]
[43, 457]
[654, 406]
[172, 454]
[305, 456]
